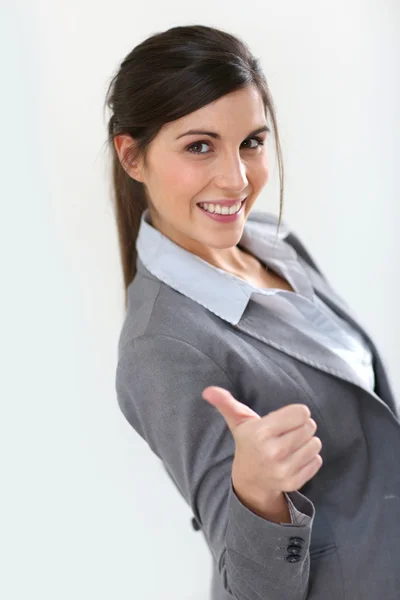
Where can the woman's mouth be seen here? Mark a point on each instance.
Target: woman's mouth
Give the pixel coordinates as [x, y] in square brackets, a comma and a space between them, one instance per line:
[218, 212]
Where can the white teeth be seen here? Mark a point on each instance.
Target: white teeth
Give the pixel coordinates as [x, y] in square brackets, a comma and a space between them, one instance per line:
[221, 210]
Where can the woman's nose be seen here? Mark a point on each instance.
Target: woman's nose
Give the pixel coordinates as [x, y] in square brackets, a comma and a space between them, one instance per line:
[232, 175]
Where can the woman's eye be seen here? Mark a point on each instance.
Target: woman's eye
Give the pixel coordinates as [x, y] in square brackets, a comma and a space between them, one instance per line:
[197, 144]
[204, 143]
[258, 140]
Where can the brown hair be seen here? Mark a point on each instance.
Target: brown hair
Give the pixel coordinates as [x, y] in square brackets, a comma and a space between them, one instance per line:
[146, 93]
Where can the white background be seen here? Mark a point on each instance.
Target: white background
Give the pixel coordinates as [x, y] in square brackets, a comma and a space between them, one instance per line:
[86, 510]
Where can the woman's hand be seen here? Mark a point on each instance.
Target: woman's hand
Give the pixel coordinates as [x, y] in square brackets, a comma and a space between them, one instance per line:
[273, 454]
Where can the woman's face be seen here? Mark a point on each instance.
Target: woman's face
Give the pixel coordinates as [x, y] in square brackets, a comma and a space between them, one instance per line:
[185, 169]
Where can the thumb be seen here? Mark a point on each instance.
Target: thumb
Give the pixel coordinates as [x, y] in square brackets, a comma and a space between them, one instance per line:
[233, 411]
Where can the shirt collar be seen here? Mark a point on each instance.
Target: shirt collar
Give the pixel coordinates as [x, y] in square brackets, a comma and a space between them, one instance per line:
[220, 292]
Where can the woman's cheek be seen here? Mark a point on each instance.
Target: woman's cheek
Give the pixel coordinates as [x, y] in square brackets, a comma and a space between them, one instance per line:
[189, 180]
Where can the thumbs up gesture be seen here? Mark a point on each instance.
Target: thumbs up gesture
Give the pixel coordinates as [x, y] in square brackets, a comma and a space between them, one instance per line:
[273, 454]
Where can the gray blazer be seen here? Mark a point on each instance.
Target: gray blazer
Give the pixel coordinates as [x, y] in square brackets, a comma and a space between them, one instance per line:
[171, 348]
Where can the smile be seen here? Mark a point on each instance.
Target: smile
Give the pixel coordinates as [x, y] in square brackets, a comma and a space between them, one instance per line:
[224, 214]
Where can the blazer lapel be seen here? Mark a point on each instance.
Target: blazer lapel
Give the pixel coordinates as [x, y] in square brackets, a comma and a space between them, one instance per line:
[258, 323]
[271, 329]
[275, 331]
[383, 386]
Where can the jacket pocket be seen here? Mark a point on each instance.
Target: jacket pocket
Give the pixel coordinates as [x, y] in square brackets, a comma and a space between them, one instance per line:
[326, 577]
[322, 551]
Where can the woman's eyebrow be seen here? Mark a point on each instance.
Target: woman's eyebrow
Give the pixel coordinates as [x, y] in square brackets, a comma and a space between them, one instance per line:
[216, 135]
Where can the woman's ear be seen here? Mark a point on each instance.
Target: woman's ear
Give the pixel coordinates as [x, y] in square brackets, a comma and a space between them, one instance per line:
[123, 143]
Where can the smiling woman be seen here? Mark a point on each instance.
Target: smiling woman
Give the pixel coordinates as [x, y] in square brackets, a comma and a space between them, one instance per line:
[233, 337]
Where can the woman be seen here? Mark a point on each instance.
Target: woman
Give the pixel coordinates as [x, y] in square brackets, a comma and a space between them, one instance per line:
[235, 349]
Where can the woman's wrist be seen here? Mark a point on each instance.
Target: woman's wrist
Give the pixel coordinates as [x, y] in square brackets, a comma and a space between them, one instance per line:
[273, 506]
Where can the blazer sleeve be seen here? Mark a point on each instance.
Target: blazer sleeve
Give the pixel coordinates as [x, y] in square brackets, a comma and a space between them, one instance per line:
[159, 381]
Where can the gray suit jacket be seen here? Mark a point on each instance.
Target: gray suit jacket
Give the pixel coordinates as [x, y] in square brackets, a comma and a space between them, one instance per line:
[171, 348]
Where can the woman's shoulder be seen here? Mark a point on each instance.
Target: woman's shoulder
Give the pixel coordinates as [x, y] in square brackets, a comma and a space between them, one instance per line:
[262, 220]
[267, 220]
[155, 310]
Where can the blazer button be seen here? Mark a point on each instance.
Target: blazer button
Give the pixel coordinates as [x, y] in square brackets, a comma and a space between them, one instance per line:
[293, 558]
[297, 545]
[293, 549]
[195, 524]
[299, 541]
